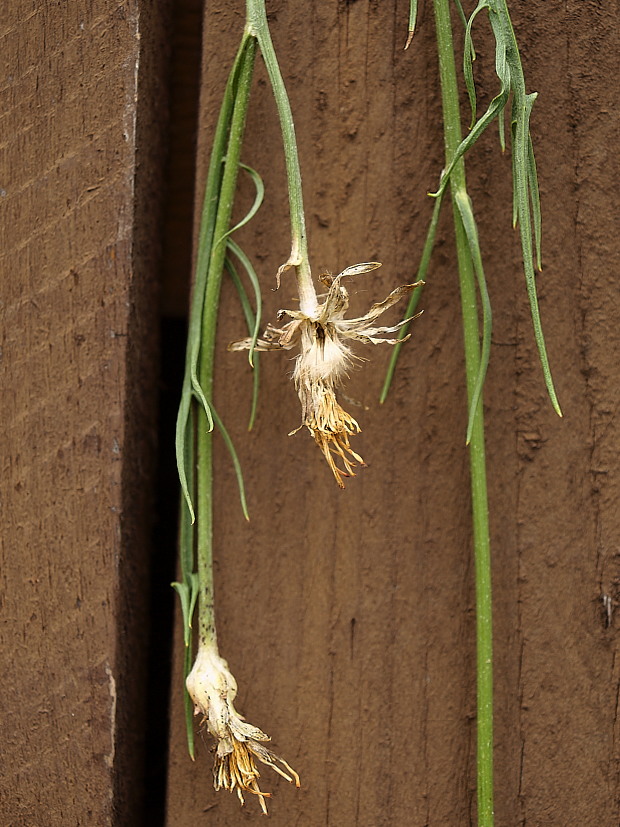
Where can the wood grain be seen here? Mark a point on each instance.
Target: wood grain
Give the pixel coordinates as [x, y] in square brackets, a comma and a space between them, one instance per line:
[79, 99]
[347, 617]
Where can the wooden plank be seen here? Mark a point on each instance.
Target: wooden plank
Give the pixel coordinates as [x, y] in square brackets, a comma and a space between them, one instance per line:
[347, 617]
[78, 219]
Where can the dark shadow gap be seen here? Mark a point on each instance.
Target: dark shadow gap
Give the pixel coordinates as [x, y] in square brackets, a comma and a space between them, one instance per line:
[163, 572]
[183, 91]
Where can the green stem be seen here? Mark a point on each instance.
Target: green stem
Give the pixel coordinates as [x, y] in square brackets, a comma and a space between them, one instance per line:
[480, 518]
[204, 469]
[258, 26]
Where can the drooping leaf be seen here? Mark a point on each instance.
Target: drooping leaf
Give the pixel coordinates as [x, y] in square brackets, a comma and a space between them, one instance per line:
[463, 202]
[251, 320]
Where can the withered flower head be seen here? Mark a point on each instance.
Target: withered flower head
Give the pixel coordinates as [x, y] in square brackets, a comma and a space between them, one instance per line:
[239, 745]
[325, 358]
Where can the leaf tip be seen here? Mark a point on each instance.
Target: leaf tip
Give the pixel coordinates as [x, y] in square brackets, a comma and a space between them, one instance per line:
[409, 38]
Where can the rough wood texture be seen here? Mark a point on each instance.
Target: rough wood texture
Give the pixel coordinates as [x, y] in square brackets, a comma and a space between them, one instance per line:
[80, 97]
[347, 617]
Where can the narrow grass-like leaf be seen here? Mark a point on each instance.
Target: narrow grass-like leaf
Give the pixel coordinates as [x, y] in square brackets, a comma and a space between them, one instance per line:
[258, 200]
[495, 107]
[186, 531]
[469, 55]
[258, 299]
[501, 129]
[413, 16]
[535, 199]
[180, 442]
[415, 296]
[243, 296]
[515, 194]
[183, 590]
[252, 329]
[188, 706]
[461, 12]
[255, 390]
[521, 150]
[235, 460]
[188, 595]
[189, 586]
[463, 202]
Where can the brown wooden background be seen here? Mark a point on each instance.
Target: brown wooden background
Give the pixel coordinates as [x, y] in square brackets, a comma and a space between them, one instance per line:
[347, 617]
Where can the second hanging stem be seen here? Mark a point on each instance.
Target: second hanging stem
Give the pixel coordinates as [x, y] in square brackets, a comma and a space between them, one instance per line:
[480, 517]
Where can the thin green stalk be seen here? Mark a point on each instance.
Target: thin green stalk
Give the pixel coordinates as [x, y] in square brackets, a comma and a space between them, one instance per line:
[204, 467]
[258, 26]
[467, 278]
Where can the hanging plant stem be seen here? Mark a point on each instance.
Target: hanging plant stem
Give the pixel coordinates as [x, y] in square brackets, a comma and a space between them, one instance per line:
[196, 413]
[473, 358]
[211, 688]
[258, 26]
[204, 466]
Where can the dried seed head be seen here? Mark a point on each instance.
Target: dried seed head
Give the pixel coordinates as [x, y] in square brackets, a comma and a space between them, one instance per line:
[324, 361]
[238, 746]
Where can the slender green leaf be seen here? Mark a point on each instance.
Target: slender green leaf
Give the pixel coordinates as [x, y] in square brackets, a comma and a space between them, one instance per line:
[415, 296]
[461, 12]
[495, 107]
[186, 531]
[183, 590]
[243, 296]
[463, 202]
[258, 299]
[258, 200]
[469, 55]
[180, 443]
[252, 329]
[521, 151]
[235, 460]
[501, 129]
[255, 390]
[188, 705]
[535, 199]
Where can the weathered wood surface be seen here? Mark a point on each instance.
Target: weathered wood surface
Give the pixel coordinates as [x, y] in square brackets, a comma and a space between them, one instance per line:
[347, 617]
[81, 95]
